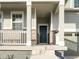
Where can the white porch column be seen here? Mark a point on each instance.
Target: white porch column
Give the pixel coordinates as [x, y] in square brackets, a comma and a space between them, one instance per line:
[51, 28]
[34, 20]
[34, 27]
[60, 40]
[61, 23]
[71, 3]
[29, 22]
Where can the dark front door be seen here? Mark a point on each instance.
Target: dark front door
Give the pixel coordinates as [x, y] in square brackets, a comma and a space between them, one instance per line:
[43, 34]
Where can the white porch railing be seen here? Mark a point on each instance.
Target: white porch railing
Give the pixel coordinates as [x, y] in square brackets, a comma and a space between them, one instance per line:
[9, 37]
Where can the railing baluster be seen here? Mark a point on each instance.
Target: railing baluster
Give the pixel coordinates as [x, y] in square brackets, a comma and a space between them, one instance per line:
[3, 36]
[24, 37]
[9, 37]
[0, 37]
[20, 37]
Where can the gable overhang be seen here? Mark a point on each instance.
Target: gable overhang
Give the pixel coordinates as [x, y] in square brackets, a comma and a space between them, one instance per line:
[45, 0]
[31, 0]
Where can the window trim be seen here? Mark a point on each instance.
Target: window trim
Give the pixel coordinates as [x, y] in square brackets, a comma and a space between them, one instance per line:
[1, 19]
[72, 4]
[18, 12]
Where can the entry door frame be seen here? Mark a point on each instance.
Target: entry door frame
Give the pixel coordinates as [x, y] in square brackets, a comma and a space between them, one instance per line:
[39, 31]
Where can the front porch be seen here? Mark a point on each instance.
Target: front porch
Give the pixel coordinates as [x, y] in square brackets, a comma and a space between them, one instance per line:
[31, 29]
[32, 23]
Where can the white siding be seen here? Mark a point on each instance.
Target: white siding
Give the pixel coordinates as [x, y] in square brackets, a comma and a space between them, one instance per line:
[71, 21]
[7, 23]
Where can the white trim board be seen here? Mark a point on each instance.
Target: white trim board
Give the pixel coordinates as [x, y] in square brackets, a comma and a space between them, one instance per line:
[42, 25]
[31, 0]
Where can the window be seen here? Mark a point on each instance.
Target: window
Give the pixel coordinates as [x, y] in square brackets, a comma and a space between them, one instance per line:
[76, 3]
[17, 20]
[17, 17]
[1, 16]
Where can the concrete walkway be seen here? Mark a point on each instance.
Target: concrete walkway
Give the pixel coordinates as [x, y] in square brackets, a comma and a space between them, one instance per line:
[71, 57]
[44, 57]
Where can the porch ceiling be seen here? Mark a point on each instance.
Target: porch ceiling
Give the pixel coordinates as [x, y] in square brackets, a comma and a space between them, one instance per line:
[13, 5]
[44, 8]
[27, 0]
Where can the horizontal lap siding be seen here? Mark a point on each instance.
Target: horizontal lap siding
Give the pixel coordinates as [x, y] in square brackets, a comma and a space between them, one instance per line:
[72, 20]
[7, 15]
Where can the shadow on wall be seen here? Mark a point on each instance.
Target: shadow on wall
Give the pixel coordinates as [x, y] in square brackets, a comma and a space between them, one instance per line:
[72, 48]
[72, 52]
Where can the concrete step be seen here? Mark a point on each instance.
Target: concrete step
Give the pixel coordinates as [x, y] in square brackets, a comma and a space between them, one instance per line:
[44, 57]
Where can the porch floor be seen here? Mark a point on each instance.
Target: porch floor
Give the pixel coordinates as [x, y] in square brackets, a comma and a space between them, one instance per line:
[37, 47]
